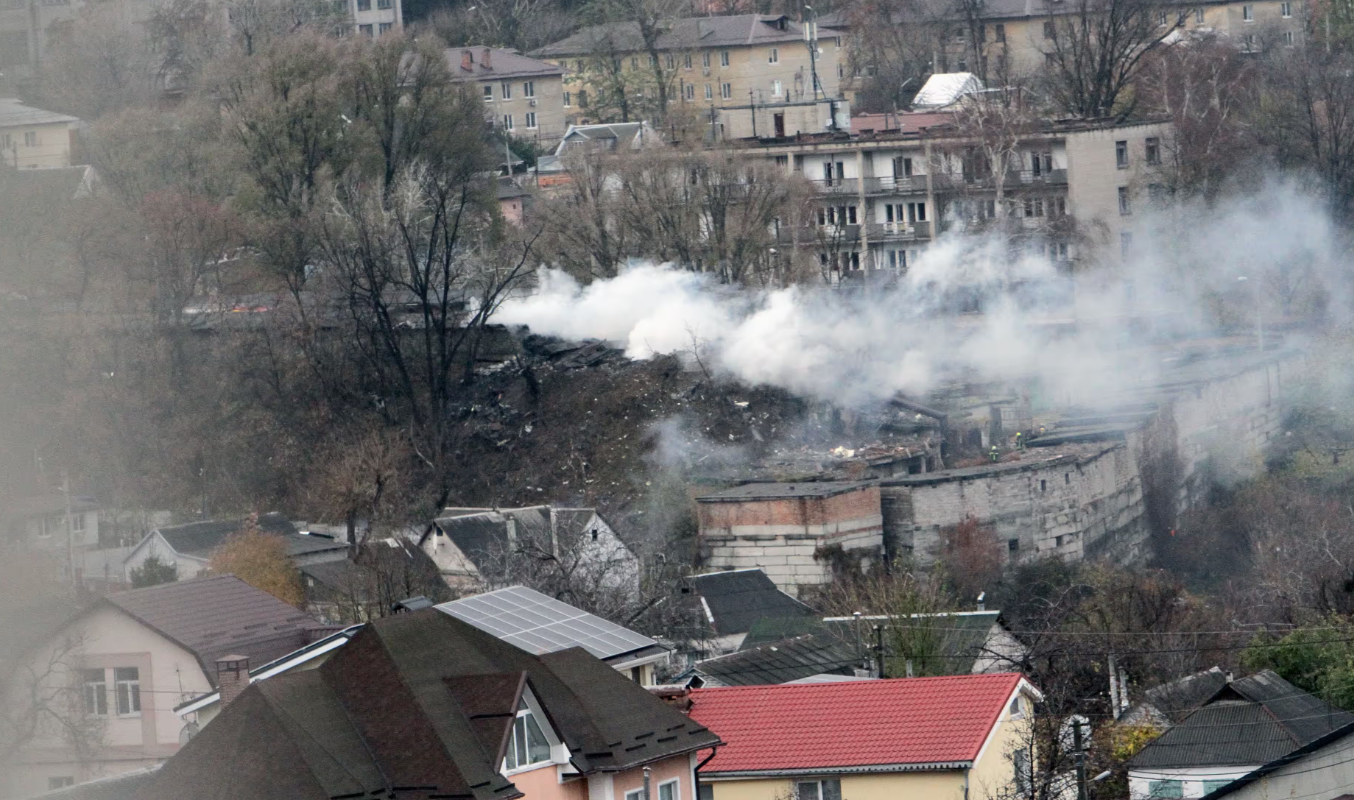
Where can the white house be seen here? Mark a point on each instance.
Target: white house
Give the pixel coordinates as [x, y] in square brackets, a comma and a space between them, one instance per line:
[189, 547]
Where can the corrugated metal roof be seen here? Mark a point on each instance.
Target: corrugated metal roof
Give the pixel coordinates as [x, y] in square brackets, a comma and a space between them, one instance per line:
[738, 599]
[782, 662]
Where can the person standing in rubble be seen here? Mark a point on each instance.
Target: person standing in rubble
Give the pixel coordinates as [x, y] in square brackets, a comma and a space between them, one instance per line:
[1019, 440]
[995, 455]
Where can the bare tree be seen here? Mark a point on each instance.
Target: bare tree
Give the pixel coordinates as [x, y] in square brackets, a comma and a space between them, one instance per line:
[1094, 49]
[892, 51]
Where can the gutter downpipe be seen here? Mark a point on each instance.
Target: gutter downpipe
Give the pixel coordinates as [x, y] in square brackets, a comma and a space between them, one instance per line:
[696, 773]
[967, 770]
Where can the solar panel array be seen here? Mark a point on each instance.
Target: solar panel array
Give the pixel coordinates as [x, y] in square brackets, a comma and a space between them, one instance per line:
[539, 624]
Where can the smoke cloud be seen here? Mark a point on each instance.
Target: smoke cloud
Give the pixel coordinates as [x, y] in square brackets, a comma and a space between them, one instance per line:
[1070, 333]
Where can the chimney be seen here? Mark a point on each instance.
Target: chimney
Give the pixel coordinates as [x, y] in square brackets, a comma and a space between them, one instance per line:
[467, 60]
[232, 677]
[511, 525]
[484, 59]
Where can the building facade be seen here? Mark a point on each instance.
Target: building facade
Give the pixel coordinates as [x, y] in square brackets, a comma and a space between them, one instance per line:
[523, 97]
[1072, 192]
[707, 64]
[32, 138]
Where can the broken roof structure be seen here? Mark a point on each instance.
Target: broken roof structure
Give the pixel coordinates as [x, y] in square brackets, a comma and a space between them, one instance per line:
[422, 705]
[788, 661]
[735, 600]
[945, 89]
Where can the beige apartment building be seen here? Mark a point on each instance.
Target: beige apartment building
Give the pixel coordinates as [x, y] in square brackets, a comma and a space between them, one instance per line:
[32, 138]
[1074, 192]
[709, 63]
[523, 97]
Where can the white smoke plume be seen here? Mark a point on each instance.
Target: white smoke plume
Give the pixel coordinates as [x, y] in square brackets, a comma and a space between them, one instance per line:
[853, 348]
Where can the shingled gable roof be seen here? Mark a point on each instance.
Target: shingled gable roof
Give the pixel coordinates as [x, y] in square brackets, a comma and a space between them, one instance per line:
[734, 600]
[217, 616]
[1250, 721]
[502, 64]
[901, 724]
[199, 539]
[741, 30]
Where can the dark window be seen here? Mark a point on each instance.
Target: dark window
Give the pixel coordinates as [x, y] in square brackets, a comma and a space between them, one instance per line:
[1124, 207]
[127, 683]
[1000, 33]
[1048, 30]
[1153, 150]
[1013, 545]
[1121, 155]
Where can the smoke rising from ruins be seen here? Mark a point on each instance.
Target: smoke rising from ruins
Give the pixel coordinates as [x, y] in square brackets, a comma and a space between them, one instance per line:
[855, 348]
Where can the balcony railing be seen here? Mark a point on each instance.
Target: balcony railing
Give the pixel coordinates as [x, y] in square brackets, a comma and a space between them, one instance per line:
[838, 186]
[899, 231]
[895, 184]
[1015, 178]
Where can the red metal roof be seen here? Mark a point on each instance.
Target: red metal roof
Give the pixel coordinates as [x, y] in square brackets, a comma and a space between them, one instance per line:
[852, 723]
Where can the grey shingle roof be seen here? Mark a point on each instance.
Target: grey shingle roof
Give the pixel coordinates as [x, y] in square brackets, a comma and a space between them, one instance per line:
[502, 64]
[199, 539]
[220, 615]
[1253, 720]
[422, 701]
[781, 662]
[737, 599]
[684, 34]
[13, 114]
[1179, 697]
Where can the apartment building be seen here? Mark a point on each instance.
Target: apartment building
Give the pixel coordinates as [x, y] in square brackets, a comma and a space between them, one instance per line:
[32, 138]
[1073, 191]
[1009, 41]
[371, 18]
[708, 63]
[523, 97]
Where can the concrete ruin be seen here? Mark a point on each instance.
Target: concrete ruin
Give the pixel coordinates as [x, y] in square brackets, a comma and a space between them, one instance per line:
[1094, 485]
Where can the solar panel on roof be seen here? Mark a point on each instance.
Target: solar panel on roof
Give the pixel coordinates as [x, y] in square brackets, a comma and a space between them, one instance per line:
[540, 624]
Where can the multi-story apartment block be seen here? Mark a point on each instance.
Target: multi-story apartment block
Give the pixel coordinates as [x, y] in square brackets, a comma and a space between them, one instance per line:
[706, 63]
[372, 18]
[31, 137]
[523, 97]
[1071, 191]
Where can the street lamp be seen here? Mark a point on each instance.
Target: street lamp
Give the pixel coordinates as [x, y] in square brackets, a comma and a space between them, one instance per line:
[1259, 315]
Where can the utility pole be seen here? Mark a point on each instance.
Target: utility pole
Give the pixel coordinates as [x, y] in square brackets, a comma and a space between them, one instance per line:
[70, 530]
[879, 647]
[752, 103]
[811, 37]
[1080, 755]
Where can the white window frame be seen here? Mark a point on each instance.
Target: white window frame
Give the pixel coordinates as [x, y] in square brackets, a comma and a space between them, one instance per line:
[507, 122]
[1248, 13]
[531, 120]
[676, 785]
[559, 753]
[133, 693]
[78, 523]
[709, 92]
[567, 99]
[529, 89]
[635, 794]
[724, 58]
[1286, 9]
[774, 56]
[506, 90]
[776, 88]
[819, 783]
[726, 91]
[488, 93]
[31, 139]
[95, 701]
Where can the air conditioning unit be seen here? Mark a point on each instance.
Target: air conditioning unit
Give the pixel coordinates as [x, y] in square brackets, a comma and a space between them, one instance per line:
[532, 103]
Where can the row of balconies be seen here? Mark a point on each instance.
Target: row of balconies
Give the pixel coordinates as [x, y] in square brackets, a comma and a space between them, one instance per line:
[942, 181]
[876, 231]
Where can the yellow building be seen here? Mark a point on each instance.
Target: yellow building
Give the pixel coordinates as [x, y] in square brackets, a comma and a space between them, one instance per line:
[961, 737]
[31, 138]
[702, 63]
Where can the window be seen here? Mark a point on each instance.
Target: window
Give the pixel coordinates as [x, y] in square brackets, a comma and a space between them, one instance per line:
[1161, 18]
[774, 57]
[363, 5]
[1048, 30]
[775, 88]
[529, 745]
[582, 98]
[1248, 43]
[705, 791]
[1020, 759]
[1212, 786]
[667, 790]
[902, 167]
[505, 90]
[999, 33]
[689, 91]
[578, 65]
[686, 61]
[529, 89]
[566, 99]
[78, 523]
[60, 782]
[1288, 38]
[709, 92]
[127, 685]
[507, 122]
[384, 27]
[30, 139]
[1286, 9]
[724, 58]
[1165, 789]
[959, 34]
[1062, 251]
[531, 119]
[1124, 208]
[94, 687]
[489, 94]
[384, 5]
[1017, 703]
[705, 59]
[1153, 150]
[826, 789]
[636, 794]
[366, 30]
[1125, 243]
[670, 61]
[1013, 545]
[782, 161]
[726, 90]
[1248, 13]
[1121, 155]
[1058, 207]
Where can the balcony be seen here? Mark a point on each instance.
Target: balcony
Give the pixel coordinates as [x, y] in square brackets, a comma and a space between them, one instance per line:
[890, 184]
[838, 186]
[956, 181]
[899, 231]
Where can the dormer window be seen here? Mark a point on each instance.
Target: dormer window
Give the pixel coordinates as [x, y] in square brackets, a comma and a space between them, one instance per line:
[529, 744]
